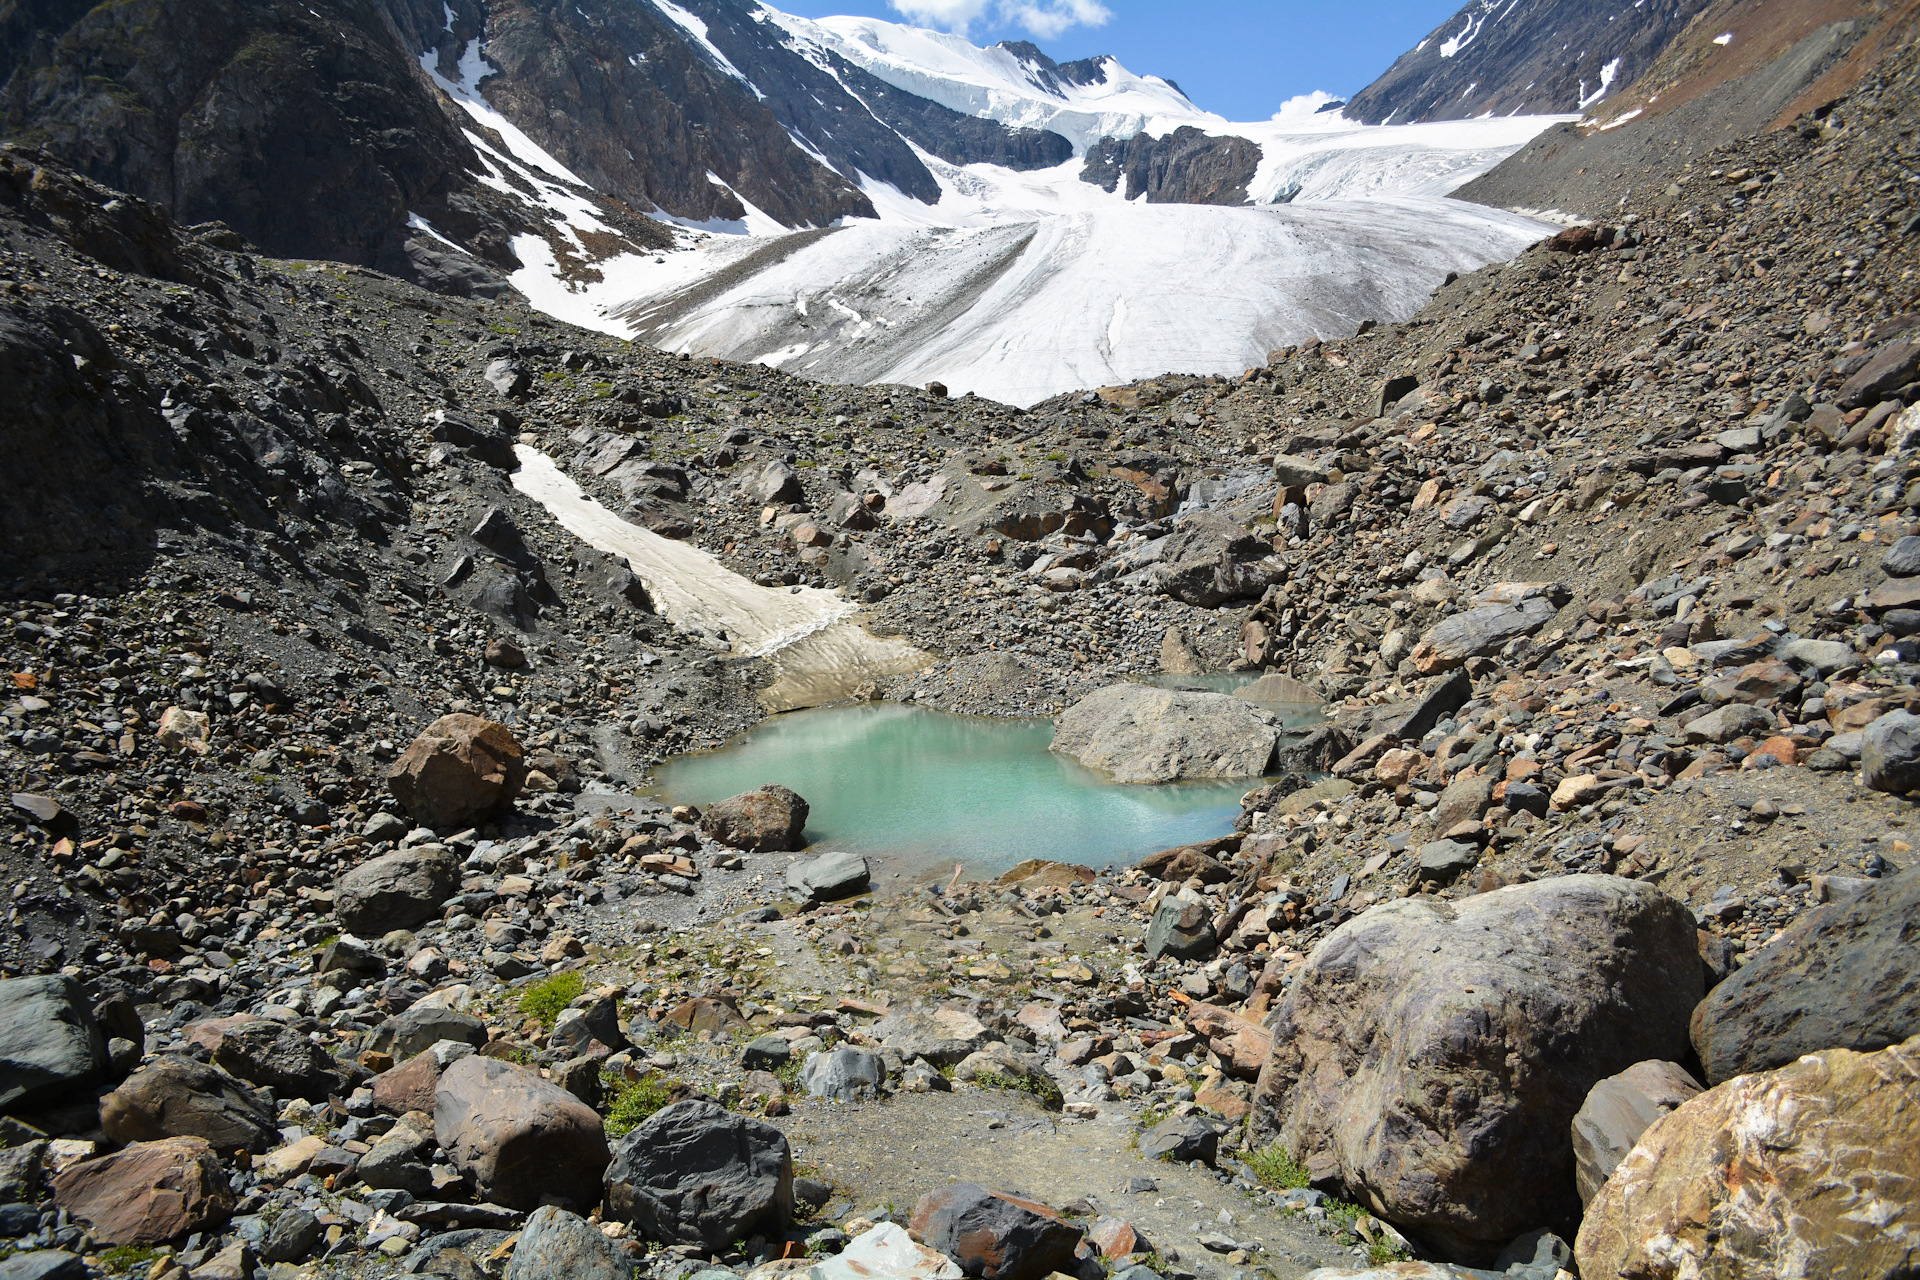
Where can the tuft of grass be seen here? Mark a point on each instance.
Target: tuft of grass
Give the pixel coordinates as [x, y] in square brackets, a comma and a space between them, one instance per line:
[1278, 1170]
[1040, 1087]
[543, 1000]
[128, 1257]
[630, 1103]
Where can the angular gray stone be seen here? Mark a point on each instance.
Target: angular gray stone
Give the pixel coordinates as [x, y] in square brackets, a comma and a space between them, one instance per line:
[1182, 1139]
[768, 1053]
[50, 1044]
[557, 1245]
[1296, 473]
[1181, 929]
[1138, 733]
[1842, 976]
[1476, 633]
[830, 876]
[1439, 702]
[397, 890]
[771, 483]
[420, 1027]
[279, 1058]
[43, 1264]
[845, 1075]
[508, 378]
[1735, 720]
[1444, 861]
[941, 1036]
[995, 1235]
[293, 1233]
[1890, 753]
[1208, 560]
[1617, 1111]
[1485, 1022]
[1823, 656]
[1902, 559]
[696, 1173]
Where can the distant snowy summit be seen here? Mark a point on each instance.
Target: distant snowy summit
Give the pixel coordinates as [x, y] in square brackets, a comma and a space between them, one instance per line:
[1524, 57]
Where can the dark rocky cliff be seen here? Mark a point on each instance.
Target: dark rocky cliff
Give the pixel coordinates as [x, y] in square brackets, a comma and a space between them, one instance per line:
[1525, 57]
[1187, 166]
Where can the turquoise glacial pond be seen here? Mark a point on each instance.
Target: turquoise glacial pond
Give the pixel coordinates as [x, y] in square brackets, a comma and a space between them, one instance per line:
[922, 785]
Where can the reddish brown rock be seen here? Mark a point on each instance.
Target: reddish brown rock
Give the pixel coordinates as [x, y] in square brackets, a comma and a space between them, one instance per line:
[409, 1086]
[148, 1192]
[770, 820]
[520, 1139]
[462, 770]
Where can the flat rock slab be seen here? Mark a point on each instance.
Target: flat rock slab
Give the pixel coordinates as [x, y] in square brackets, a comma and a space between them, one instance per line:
[1138, 733]
[830, 876]
[148, 1192]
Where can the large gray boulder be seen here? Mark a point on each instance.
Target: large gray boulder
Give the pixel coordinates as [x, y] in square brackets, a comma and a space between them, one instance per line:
[1431, 1055]
[1209, 560]
[1181, 1139]
[1181, 929]
[769, 820]
[1842, 976]
[418, 1028]
[397, 890]
[557, 1245]
[772, 482]
[829, 876]
[50, 1044]
[1141, 734]
[1617, 1111]
[521, 1140]
[174, 1096]
[1890, 753]
[696, 1173]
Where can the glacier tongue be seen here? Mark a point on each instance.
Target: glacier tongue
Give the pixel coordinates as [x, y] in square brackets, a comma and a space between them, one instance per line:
[1023, 311]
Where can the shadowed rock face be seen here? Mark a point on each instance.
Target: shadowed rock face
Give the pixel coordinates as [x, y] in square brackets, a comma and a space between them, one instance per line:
[1185, 167]
[1534, 57]
[305, 128]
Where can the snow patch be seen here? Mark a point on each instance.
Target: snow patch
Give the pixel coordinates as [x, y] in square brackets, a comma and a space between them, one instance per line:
[696, 27]
[1725, 37]
[1606, 82]
[1619, 120]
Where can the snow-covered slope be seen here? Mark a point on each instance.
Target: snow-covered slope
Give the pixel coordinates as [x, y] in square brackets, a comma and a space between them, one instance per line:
[1021, 311]
[1010, 280]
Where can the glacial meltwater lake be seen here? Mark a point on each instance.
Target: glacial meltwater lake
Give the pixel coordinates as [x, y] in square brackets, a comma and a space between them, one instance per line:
[929, 786]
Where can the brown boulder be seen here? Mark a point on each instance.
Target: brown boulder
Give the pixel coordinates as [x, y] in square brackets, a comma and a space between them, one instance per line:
[461, 771]
[1617, 1111]
[705, 1013]
[411, 1086]
[1431, 1055]
[769, 820]
[1190, 861]
[1810, 1170]
[148, 1192]
[176, 1097]
[519, 1139]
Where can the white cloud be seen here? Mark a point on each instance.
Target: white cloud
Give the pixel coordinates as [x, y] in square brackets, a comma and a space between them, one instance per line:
[1043, 18]
[1303, 106]
[1049, 18]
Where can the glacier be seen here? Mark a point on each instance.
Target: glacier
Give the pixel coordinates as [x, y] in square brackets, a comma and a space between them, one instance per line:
[1020, 285]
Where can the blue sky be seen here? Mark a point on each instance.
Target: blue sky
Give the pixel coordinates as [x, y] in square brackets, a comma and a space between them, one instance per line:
[1240, 58]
